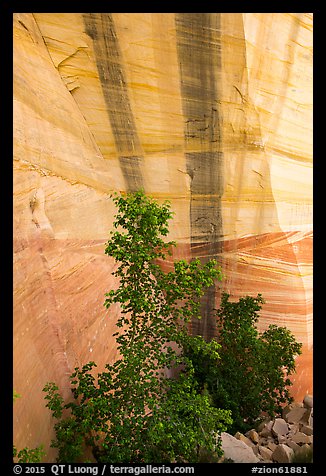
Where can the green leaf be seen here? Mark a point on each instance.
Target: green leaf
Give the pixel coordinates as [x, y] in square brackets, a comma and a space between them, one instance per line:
[132, 412]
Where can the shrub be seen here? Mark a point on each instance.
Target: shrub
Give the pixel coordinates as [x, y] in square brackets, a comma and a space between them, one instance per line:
[252, 372]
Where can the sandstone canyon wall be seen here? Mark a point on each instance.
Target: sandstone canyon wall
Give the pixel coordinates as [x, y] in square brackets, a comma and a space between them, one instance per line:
[211, 111]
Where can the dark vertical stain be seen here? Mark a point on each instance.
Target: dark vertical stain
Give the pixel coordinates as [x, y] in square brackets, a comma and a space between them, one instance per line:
[100, 27]
[199, 54]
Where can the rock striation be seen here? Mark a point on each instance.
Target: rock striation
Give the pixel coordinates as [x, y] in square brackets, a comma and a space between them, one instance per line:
[212, 111]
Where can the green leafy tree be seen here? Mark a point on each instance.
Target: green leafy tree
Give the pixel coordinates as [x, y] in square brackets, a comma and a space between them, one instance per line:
[252, 371]
[146, 406]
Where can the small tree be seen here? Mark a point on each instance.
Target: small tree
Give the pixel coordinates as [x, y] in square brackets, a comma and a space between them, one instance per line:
[133, 412]
[251, 373]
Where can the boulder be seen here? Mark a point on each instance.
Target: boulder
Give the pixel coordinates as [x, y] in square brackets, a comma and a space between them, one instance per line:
[285, 411]
[307, 430]
[272, 446]
[263, 424]
[281, 439]
[280, 427]
[237, 450]
[308, 417]
[290, 407]
[266, 453]
[253, 435]
[294, 427]
[300, 437]
[294, 446]
[296, 414]
[308, 401]
[241, 437]
[283, 454]
[266, 429]
[256, 450]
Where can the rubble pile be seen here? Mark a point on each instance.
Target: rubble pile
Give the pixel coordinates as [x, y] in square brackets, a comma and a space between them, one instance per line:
[284, 439]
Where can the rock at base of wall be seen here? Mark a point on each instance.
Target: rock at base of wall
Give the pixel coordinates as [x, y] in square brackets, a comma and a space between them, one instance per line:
[280, 427]
[279, 440]
[265, 453]
[283, 454]
[296, 414]
[308, 401]
[237, 450]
